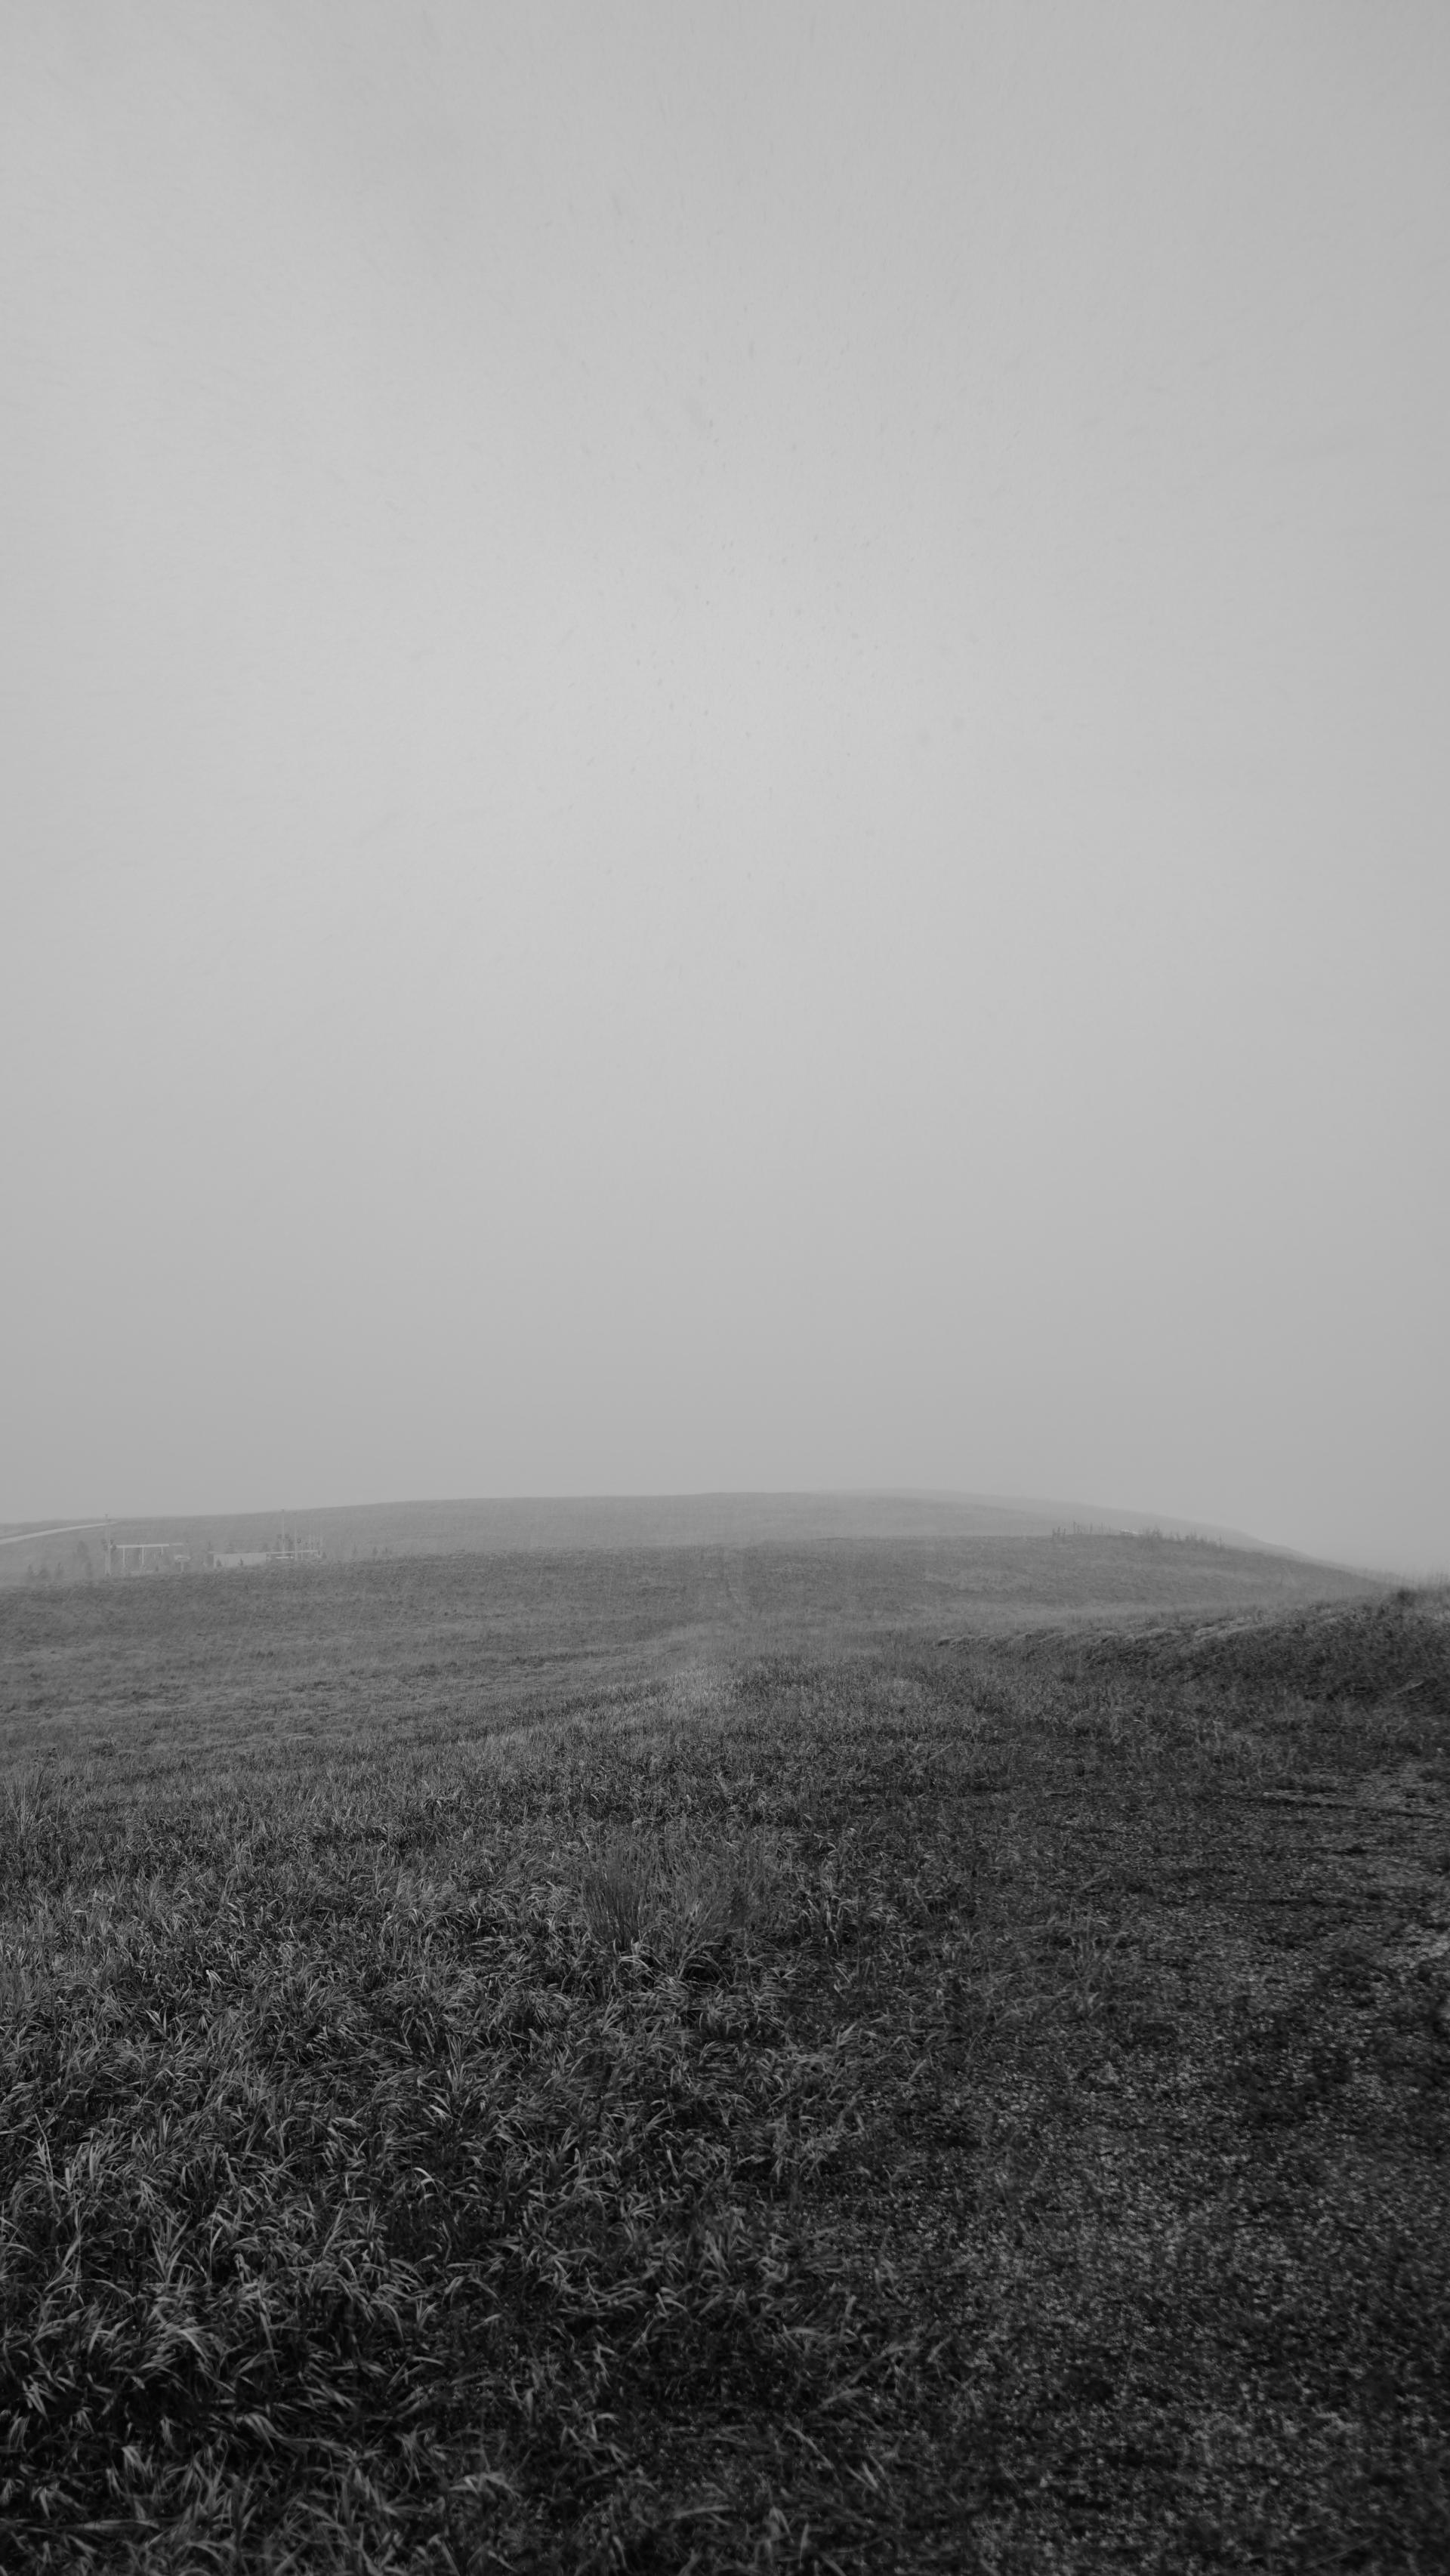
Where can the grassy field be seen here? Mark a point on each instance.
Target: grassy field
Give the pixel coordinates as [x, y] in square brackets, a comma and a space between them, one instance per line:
[435, 1648]
[727, 2061]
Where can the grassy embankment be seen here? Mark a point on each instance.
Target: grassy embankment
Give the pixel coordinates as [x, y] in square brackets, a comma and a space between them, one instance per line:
[934, 2105]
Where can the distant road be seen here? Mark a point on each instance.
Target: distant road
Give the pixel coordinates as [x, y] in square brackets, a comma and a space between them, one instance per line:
[63, 1529]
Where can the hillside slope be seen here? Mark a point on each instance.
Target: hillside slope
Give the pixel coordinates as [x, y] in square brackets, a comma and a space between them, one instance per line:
[981, 2106]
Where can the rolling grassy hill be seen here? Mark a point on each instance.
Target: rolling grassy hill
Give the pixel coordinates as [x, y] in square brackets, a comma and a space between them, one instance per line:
[681, 2062]
[428, 1640]
[618, 1523]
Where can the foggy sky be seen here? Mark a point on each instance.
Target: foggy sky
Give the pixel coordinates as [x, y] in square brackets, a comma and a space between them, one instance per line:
[724, 739]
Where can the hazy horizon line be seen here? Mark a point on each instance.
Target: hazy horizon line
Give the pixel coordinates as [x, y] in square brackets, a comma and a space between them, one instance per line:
[1114, 1519]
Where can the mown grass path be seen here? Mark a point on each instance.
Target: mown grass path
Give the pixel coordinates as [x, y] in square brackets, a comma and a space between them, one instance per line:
[942, 2106]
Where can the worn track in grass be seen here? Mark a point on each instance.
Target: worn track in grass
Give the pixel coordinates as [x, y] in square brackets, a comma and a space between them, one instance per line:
[977, 2105]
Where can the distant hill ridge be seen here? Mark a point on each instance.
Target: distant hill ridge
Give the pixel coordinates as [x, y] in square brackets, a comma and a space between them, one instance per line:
[562, 1523]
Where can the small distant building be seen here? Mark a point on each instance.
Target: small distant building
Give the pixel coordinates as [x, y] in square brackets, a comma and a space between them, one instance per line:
[286, 1549]
[146, 1556]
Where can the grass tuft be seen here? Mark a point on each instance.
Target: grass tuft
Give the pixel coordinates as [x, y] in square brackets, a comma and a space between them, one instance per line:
[677, 1902]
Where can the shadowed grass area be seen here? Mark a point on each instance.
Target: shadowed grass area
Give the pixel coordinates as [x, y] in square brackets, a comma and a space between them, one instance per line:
[980, 2105]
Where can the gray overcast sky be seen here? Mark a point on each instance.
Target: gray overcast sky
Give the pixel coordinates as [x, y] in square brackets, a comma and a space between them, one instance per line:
[724, 740]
